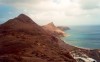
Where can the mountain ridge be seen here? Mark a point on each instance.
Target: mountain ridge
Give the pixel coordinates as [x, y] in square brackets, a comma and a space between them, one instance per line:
[53, 29]
[22, 40]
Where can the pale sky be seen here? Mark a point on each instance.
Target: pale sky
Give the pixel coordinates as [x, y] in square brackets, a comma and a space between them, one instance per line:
[61, 12]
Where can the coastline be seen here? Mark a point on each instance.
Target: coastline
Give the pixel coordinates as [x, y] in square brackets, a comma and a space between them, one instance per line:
[78, 46]
[83, 53]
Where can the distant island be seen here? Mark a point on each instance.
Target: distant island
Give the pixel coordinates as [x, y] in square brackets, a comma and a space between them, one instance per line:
[63, 28]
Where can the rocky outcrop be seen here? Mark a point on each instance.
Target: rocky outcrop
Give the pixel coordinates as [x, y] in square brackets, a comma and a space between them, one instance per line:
[51, 28]
[22, 40]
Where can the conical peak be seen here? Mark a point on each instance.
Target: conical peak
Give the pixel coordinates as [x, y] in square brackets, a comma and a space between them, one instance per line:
[24, 18]
[22, 15]
[51, 24]
[22, 21]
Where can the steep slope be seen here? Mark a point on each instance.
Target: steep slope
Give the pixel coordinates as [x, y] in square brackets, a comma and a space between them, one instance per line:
[53, 29]
[22, 40]
[22, 23]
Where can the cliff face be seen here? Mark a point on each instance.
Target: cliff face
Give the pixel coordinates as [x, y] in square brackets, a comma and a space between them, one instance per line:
[22, 40]
[53, 29]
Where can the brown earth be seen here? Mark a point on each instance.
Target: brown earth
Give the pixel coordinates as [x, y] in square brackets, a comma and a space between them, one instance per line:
[22, 40]
[52, 29]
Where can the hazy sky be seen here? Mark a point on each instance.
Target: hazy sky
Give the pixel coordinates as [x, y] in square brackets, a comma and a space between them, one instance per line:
[61, 12]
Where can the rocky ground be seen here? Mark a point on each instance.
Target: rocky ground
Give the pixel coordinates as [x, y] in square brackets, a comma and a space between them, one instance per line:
[22, 40]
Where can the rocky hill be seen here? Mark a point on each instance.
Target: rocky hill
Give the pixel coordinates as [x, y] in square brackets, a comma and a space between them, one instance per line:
[51, 28]
[22, 40]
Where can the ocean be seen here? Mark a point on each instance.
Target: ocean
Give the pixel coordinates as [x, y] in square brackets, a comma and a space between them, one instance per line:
[84, 36]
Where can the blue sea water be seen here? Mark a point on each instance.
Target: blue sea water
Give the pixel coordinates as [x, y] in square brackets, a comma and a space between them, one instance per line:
[84, 36]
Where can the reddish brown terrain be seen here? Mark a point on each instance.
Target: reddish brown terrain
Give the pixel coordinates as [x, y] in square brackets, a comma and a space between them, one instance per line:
[22, 40]
[51, 28]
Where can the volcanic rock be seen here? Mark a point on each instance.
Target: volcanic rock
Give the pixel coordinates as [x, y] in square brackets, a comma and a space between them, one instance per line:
[22, 40]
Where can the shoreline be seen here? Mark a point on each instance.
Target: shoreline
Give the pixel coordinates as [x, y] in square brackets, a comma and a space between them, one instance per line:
[80, 47]
[67, 35]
